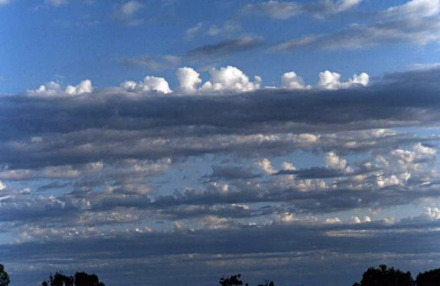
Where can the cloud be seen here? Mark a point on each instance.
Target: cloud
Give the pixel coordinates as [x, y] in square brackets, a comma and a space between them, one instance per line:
[53, 89]
[291, 80]
[149, 84]
[327, 7]
[189, 79]
[127, 12]
[275, 9]
[229, 79]
[415, 22]
[154, 63]
[227, 47]
[225, 29]
[331, 80]
[56, 3]
[285, 10]
[4, 2]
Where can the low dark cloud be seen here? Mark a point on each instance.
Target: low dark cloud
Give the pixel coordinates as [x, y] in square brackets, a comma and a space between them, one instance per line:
[275, 175]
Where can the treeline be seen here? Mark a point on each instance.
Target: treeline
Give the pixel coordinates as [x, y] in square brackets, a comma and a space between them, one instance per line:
[384, 276]
[381, 276]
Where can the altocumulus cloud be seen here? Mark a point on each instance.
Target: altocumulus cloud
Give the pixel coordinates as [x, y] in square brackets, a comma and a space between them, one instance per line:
[287, 176]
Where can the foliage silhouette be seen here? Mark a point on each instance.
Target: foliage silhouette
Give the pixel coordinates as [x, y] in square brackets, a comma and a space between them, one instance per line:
[428, 278]
[80, 279]
[235, 280]
[4, 277]
[384, 276]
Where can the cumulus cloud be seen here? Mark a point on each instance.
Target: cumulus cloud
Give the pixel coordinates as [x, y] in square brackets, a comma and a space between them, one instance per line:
[189, 79]
[290, 80]
[53, 89]
[149, 84]
[332, 80]
[229, 79]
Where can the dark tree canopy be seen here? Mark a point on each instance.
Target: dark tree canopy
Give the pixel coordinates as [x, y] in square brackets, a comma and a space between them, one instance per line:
[4, 277]
[429, 278]
[235, 280]
[80, 279]
[384, 276]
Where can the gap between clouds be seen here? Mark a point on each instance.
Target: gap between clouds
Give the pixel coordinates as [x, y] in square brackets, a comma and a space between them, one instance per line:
[228, 79]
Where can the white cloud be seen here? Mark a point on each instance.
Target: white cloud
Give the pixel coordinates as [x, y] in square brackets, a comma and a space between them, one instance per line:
[189, 79]
[288, 9]
[4, 2]
[413, 9]
[2, 186]
[150, 84]
[333, 220]
[290, 80]
[266, 166]
[229, 79]
[332, 80]
[83, 87]
[53, 89]
[334, 161]
[333, 7]
[433, 213]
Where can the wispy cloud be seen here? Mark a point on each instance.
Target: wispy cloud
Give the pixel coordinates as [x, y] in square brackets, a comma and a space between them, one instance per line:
[285, 10]
[414, 22]
[226, 47]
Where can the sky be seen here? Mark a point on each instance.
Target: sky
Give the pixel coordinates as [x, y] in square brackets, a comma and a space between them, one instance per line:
[166, 142]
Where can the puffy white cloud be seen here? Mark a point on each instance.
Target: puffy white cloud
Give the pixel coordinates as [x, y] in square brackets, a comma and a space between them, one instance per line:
[334, 161]
[290, 80]
[266, 166]
[2, 186]
[189, 79]
[149, 84]
[333, 220]
[432, 213]
[357, 220]
[84, 87]
[332, 80]
[229, 79]
[52, 89]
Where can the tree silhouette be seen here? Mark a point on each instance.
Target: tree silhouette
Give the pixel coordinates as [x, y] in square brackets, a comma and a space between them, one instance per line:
[384, 276]
[428, 278]
[233, 280]
[80, 279]
[4, 277]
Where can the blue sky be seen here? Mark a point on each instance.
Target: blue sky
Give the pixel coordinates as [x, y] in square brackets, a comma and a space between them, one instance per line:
[287, 140]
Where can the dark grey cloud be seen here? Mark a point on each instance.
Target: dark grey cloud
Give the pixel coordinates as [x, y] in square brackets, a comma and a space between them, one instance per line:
[192, 177]
[290, 248]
